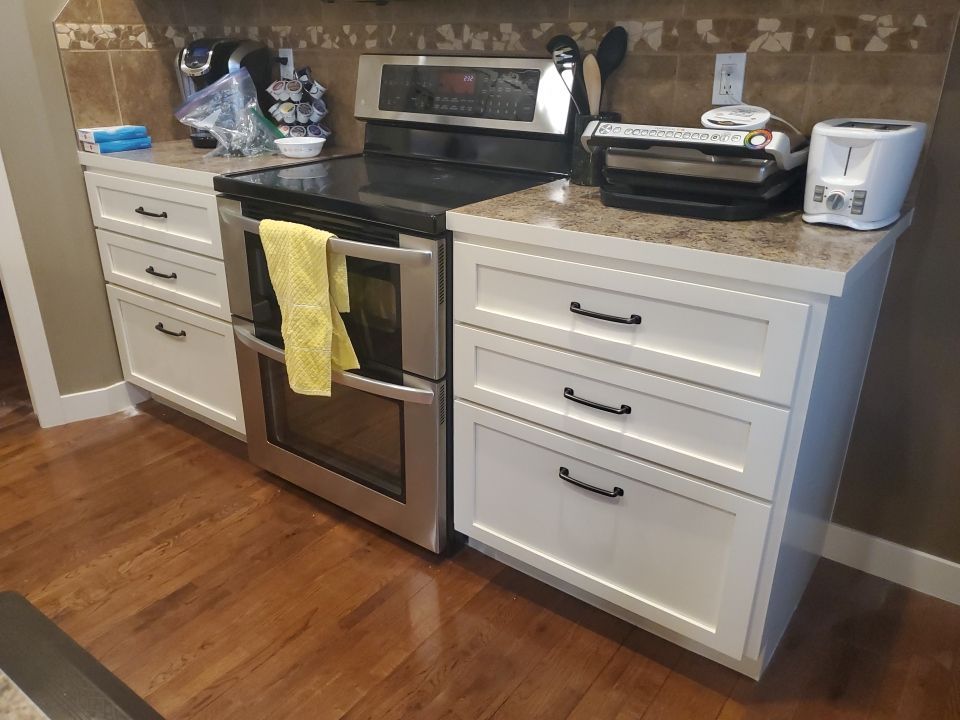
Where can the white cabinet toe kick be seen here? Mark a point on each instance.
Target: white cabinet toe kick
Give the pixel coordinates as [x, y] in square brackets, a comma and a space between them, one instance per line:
[661, 442]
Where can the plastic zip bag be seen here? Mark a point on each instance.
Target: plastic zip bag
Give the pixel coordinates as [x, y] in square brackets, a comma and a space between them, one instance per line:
[230, 111]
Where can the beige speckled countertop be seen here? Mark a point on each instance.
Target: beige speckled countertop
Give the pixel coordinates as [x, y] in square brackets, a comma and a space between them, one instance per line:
[14, 704]
[178, 160]
[782, 239]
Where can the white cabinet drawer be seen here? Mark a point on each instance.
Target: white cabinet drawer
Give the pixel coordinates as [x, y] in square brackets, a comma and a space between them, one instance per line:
[193, 281]
[180, 218]
[196, 369]
[676, 551]
[736, 341]
[720, 437]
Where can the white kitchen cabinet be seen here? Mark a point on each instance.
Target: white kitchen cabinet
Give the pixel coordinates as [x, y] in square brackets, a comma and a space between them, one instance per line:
[159, 238]
[178, 354]
[720, 391]
[680, 552]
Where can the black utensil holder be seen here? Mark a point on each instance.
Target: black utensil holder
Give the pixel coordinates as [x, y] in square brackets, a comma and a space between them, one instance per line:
[586, 166]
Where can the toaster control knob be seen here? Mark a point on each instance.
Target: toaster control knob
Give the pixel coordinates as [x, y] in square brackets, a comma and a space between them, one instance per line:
[836, 200]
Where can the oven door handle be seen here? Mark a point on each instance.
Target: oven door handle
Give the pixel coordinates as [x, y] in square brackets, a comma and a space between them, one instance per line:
[351, 248]
[347, 379]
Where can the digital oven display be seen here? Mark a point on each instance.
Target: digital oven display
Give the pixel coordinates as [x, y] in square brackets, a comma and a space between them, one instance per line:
[488, 93]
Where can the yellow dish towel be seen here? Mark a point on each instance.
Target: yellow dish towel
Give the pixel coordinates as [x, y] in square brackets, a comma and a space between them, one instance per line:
[311, 287]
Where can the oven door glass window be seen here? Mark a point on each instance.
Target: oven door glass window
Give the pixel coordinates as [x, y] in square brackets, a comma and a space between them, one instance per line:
[352, 433]
[374, 320]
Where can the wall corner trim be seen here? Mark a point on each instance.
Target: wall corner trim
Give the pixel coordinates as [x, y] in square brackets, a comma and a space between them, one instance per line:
[914, 569]
[101, 401]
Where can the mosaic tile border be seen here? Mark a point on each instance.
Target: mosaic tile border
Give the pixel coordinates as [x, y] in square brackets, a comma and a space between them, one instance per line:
[904, 32]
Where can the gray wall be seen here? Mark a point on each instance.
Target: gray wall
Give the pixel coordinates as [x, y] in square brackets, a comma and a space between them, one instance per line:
[40, 154]
[902, 475]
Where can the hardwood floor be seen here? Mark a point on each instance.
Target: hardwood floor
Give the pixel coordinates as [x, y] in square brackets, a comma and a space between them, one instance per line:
[217, 591]
[14, 398]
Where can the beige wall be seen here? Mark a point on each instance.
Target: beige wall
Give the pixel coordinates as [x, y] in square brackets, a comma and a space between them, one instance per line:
[902, 476]
[39, 151]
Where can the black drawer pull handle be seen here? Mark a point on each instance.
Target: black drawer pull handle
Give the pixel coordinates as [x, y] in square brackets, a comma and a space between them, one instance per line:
[565, 476]
[570, 395]
[141, 211]
[159, 326]
[632, 320]
[151, 271]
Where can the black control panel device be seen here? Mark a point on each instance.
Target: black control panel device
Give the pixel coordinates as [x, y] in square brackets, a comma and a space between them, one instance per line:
[491, 93]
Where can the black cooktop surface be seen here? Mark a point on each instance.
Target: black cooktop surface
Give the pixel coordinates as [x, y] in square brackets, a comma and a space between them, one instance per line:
[406, 193]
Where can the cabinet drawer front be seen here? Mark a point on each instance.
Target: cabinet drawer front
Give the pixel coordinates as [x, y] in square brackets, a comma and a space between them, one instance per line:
[138, 208]
[723, 438]
[744, 343]
[199, 282]
[675, 551]
[197, 370]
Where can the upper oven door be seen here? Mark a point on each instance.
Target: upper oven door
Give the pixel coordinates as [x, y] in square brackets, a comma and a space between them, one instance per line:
[396, 282]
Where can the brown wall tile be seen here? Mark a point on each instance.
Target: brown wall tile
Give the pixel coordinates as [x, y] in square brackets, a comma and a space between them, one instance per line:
[875, 85]
[93, 99]
[751, 8]
[149, 12]
[148, 91]
[618, 10]
[80, 11]
[642, 90]
[338, 73]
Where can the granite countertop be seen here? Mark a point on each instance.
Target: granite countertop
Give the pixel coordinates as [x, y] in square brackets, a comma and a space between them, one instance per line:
[178, 159]
[782, 238]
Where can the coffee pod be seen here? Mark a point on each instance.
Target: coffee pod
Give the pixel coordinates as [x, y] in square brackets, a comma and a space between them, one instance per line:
[304, 111]
[295, 88]
[289, 112]
[284, 130]
[278, 90]
[315, 115]
[314, 131]
[303, 74]
[319, 105]
[315, 89]
[298, 131]
[275, 111]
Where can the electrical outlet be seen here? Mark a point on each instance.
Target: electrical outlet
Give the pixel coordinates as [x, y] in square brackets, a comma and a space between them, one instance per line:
[728, 74]
[286, 69]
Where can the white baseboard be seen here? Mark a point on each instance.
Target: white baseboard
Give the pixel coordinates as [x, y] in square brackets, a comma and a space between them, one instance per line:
[905, 566]
[102, 401]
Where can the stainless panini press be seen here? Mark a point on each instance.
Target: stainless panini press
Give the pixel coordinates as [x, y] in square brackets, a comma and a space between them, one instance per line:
[698, 172]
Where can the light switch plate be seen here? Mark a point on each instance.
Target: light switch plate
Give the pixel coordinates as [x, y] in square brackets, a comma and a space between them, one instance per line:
[286, 71]
[728, 74]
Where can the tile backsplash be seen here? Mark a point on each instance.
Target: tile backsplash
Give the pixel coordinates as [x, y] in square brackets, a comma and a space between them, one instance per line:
[807, 59]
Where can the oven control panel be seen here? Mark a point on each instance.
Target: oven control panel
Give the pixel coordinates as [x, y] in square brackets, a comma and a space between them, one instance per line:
[474, 92]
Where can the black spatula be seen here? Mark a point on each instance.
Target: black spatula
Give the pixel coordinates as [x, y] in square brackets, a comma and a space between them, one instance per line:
[610, 53]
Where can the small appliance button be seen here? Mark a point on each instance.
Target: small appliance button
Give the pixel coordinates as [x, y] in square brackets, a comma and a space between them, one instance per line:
[818, 193]
[686, 136]
[859, 194]
[836, 200]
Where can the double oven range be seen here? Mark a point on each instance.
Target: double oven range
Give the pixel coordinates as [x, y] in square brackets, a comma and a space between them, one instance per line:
[441, 133]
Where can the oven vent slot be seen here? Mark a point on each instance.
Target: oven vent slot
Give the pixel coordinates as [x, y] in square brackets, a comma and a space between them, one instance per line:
[442, 274]
[443, 403]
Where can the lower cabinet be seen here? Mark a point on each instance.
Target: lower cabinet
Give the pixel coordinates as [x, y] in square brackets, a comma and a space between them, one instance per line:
[677, 551]
[177, 354]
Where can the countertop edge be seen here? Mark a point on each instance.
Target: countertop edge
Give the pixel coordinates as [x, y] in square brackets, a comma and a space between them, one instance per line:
[819, 281]
[156, 170]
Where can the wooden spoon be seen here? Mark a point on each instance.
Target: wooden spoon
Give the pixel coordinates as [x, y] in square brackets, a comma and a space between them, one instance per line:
[591, 78]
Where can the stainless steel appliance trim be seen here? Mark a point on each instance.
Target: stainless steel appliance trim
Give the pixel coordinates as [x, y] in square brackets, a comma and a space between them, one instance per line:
[198, 71]
[553, 99]
[421, 518]
[692, 163]
[352, 248]
[243, 331]
[235, 257]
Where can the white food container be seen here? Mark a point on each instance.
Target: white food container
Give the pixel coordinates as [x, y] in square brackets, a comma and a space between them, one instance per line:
[300, 147]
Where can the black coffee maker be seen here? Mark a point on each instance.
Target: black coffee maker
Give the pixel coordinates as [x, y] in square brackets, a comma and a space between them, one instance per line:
[203, 62]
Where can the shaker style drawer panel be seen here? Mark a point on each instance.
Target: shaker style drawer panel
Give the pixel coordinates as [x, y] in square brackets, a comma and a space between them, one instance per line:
[676, 551]
[722, 438]
[193, 281]
[736, 341]
[185, 357]
[180, 218]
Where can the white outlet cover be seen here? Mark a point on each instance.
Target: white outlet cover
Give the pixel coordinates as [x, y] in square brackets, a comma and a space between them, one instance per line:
[736, 63]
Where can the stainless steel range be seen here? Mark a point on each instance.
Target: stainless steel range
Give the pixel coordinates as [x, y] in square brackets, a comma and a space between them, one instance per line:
[441, 133]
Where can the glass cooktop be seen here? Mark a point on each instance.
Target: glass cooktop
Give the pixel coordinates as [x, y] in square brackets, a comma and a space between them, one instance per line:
[405, 193]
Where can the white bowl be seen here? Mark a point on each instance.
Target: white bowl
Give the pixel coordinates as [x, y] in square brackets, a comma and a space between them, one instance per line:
[300, 147]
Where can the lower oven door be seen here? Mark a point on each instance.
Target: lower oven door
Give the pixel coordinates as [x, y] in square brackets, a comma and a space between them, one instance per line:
[374, 448]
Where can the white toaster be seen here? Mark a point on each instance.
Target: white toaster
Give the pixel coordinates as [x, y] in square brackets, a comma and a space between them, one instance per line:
[859, 171]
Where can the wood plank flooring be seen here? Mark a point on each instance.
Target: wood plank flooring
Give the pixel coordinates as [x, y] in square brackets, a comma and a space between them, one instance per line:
[217, 591]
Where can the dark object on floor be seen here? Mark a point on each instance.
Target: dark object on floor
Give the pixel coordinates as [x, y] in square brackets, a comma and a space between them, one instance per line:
[63, 679]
